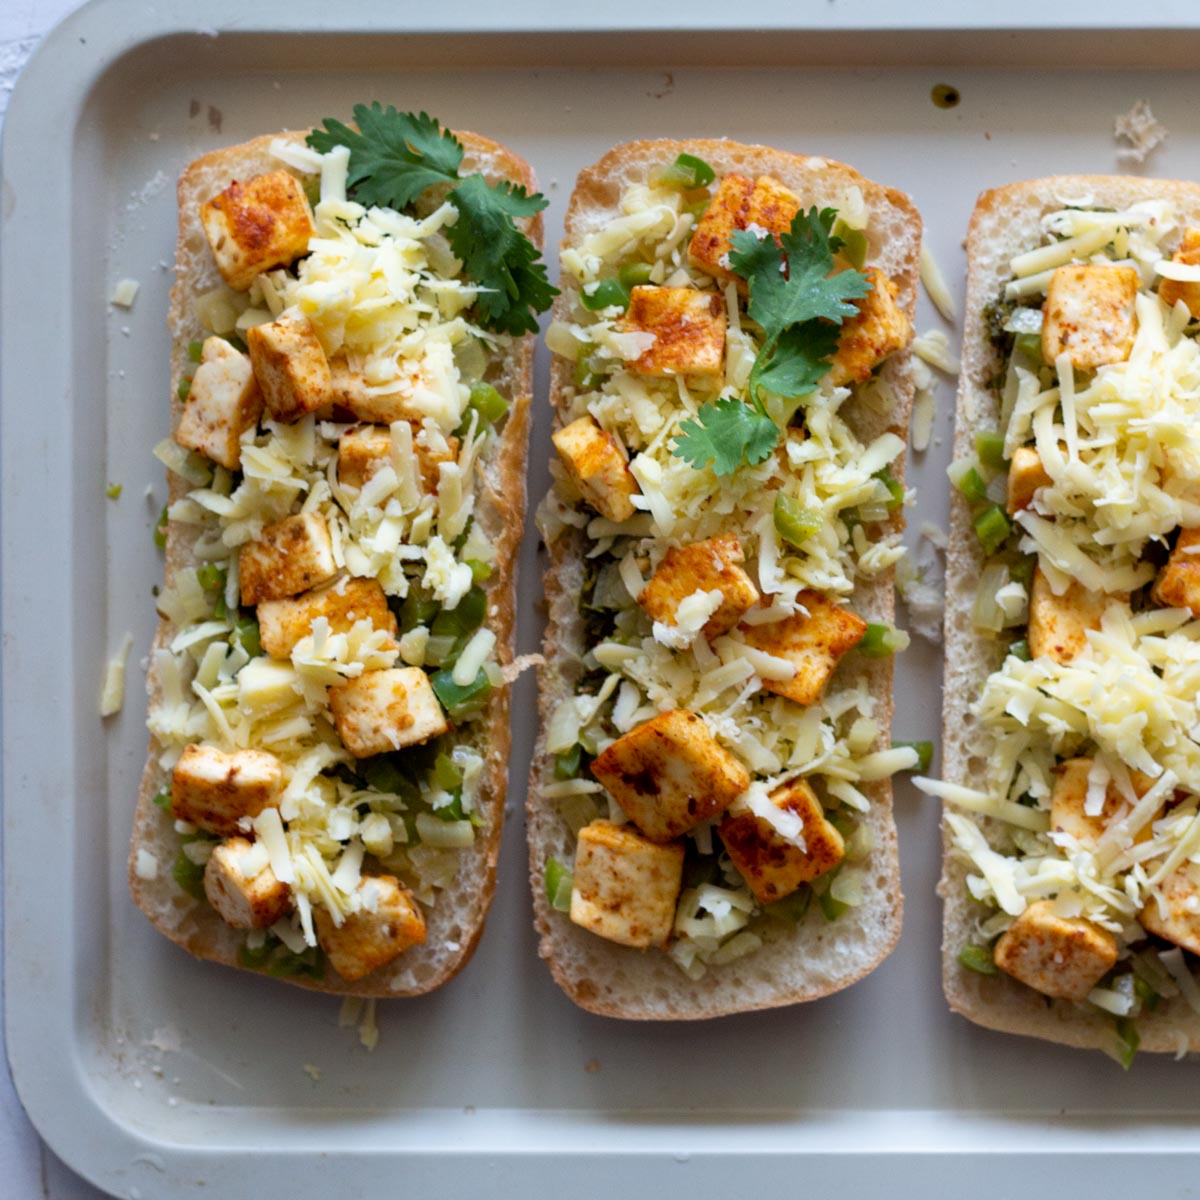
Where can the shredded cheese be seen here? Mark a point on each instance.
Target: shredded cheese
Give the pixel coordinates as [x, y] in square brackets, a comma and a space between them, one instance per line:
[112, 691]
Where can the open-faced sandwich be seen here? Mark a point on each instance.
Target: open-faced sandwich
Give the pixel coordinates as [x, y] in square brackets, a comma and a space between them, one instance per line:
[324, 790]
[709, 813]
[1072, 719]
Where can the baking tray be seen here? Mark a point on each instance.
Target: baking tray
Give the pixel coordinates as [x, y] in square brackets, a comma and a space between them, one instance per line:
[155, 1076]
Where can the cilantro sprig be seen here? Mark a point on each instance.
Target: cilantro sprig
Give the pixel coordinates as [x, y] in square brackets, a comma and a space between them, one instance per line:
[396, 156]
[799, 305]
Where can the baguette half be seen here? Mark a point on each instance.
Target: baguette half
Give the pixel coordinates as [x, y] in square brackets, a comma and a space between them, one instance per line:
[455, 923]
[1006, 222]
[813, 958]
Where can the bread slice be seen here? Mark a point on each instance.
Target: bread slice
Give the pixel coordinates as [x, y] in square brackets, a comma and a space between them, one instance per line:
[456, 922]
[1006, 221]
[816, 957]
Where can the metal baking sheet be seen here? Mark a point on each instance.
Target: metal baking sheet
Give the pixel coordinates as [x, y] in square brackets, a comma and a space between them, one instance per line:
[155, 1076]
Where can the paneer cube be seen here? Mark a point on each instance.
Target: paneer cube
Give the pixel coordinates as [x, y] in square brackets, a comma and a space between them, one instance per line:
[282, 623]
[363, 451]
[1064, 957]
[388, 922]
[241, 886]
[347, 386]
[772, 866]
[814, 642]
[1067, 801]
[669, 774]
[291, 367]
[292, 555]
[255, 226]
[880, 330]
[351, 394]
[626, 886]
[738, 204]
[596, 461]
[1058, 625]
[1179, 919]
[386, 710]
[1089, 315]
[1171, 291]
[707, 566]
[223, 403]
[688, 328]
[1178, 583]
[214, 790]
[1025, 475]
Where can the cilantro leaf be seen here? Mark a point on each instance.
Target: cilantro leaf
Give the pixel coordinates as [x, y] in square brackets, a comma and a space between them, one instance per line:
[497, 255]
[791, 290]
[801, 359]
[396, 156]
[725, 433]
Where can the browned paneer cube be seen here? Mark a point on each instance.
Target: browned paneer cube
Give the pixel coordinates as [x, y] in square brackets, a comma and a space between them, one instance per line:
[711, 565]
[241, 886]
[1069, 796]
[348, 387]
[880, 330]
[1058, 625]
[351, 394]
[363, 451]
[814, 642]
[626, 886]
[255, 226]
[386, 710]
[1178, 583]
[1025, 475]
[1179, 919]
[214, 790]
[738, 204]
[1171, 291]
[291, 556]
[1089, 315]
[596, 461]
[224, 401]
[291, 367]
[1064, 957]
[669, 774]
[282, 623]
[388, 922]
[688, 328]
[772, 866]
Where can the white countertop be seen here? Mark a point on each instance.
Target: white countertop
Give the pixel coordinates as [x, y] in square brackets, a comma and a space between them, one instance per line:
[27, 1167]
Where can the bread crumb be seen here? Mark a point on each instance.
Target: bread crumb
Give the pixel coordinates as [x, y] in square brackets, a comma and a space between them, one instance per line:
[592, 1066]
[313, 1072]
[1141, 129]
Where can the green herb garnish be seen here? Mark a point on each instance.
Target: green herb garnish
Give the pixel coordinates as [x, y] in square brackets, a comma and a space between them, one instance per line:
[799, 305]
[396, 156]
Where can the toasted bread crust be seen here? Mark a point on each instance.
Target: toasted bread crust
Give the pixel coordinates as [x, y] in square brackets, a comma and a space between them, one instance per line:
[1005, 222]
[816, 958]
[459, 915]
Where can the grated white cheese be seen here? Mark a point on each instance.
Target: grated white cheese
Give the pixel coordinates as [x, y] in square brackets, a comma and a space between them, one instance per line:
[935, 284]
[124, 293]
[112, 690]
[934, 348]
